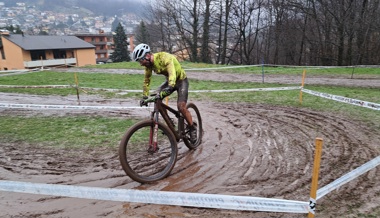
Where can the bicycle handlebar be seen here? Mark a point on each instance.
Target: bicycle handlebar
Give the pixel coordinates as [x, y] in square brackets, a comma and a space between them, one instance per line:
[149, 100]
[152, 99]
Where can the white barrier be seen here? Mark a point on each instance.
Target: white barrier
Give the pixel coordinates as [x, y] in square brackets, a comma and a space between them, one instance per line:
[250, 90]
[55, 107]
[182, 198]
[68, 86]
[41, 86]
[159, 197]
[348, 177]
[275, 65]
[352, 101]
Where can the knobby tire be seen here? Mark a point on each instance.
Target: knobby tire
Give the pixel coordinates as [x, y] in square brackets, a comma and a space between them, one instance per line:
[197, 121]
[137, 162]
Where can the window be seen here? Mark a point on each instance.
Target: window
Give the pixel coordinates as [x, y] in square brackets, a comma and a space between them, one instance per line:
[59, 54]
[38, 55]
[2, 53]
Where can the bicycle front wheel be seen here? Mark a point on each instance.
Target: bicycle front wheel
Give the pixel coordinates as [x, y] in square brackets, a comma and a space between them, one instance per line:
[137, 158]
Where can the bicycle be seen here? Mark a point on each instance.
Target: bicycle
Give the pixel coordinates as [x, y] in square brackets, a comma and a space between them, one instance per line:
[148, 150]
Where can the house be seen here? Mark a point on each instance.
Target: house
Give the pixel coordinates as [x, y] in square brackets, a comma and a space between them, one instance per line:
[103, 43]
[19, 51]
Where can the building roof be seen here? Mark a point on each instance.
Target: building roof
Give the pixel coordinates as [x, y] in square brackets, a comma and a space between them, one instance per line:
[94, 34]
[42, 42]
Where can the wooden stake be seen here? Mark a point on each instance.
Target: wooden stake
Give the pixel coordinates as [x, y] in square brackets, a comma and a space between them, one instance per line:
[77, 86]
[314, 180]
[302, 83]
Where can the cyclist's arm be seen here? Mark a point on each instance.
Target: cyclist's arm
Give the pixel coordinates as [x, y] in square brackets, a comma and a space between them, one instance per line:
[172, 75]
[162, 86]
[146, 85]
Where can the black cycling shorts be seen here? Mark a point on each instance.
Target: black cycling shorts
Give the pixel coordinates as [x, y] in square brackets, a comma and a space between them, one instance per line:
[182, 88]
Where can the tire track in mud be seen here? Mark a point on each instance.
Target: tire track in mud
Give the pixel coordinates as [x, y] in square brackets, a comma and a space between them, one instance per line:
[268, 151]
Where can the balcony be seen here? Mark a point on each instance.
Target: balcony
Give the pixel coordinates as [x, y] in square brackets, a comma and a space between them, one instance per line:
[101, 51]
[99, 43]
[47, 63]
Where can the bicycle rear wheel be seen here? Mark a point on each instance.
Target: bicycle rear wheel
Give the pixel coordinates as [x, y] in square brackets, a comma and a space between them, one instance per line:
[197, 122]
[142, 165]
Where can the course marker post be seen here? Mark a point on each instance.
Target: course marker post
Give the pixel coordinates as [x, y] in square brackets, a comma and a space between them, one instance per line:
[262, 70]
[77, 86]
[314, 180]
[302, 83]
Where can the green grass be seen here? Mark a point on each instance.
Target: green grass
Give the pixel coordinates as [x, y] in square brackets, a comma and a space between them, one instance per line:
[91, 80]
[75, 131]
[101, 131]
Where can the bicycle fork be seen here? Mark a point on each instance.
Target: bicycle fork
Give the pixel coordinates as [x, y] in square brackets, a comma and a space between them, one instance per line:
[153, 136]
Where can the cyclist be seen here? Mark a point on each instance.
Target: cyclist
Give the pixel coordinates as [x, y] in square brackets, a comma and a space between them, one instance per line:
[176, 80]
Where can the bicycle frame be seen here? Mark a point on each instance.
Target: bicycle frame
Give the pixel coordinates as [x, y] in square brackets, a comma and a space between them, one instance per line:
[163, 109]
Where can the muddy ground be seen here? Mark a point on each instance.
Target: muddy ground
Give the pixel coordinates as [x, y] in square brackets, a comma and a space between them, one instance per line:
[247, 150]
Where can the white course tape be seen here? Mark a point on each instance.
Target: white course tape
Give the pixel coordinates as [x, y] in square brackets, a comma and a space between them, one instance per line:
[159, 197]
[55, 107]
[68, 86]
[41, 86]
[356, 102]
[348, 177]
[249, 90]
[265, 65]
[221, 68]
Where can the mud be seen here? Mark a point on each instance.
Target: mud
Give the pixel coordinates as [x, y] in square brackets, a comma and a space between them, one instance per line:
[248, 149]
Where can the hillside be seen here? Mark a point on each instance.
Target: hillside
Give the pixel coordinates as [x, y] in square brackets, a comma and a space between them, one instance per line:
[113, 7]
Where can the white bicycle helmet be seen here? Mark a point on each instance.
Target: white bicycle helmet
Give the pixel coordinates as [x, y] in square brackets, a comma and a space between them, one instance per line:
[140, 51]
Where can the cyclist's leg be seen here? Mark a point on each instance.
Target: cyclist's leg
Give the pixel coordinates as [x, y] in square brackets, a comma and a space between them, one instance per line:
[182, 87]
[183, 90]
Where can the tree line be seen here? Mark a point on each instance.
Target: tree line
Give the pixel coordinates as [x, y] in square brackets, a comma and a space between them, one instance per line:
[289, 32]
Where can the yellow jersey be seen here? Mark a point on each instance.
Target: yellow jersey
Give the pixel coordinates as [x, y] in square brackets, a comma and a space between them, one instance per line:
[167, 65]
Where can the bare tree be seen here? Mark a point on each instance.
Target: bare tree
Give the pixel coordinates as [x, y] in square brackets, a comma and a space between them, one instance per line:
[161, 29]
[303, 32]
[205, 51]
[245, 21]
[222, 20]
[185, 14]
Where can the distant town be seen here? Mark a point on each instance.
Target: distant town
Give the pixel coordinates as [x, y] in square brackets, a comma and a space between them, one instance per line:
[33, 21]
